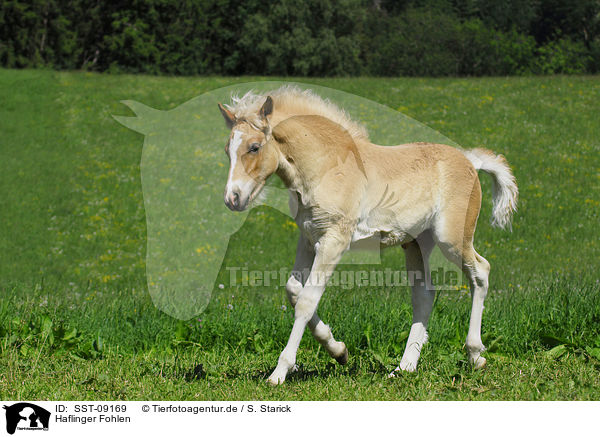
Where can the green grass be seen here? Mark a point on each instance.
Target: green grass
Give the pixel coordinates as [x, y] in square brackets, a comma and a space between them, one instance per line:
[76, 321]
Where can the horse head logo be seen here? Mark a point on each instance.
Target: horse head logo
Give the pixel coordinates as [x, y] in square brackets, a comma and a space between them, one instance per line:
[26, 415]
[183, 170]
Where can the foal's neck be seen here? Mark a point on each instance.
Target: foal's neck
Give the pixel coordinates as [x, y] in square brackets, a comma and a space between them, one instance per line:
[310, 147]
[287, 171]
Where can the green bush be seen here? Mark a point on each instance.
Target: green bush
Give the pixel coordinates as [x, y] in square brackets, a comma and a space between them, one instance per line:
[562, 56]
[307, 38]
[485, 51]
[594, 64]
[417, 43]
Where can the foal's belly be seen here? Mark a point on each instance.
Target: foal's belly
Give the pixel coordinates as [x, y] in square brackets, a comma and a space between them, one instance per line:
[366, 235]
[372, 232]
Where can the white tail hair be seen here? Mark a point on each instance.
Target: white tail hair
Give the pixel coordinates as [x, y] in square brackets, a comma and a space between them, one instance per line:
[505, 191]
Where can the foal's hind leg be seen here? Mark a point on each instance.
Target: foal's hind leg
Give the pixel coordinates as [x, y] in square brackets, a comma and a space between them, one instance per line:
[423, 293]
[322, 332]
[455, 240]
[477, 270]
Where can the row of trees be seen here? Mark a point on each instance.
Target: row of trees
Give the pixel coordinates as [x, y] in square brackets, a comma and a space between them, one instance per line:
[304, 37]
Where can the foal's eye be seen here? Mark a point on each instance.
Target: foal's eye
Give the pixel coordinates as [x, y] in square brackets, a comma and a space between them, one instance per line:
[254, 147]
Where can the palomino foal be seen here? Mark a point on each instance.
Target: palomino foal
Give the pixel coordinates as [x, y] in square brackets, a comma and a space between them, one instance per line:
[346, 189]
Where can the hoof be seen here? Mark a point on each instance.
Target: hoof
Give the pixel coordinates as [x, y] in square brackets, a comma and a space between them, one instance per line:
[408, 366]
[343, 359]
[479, 363]
[275, 380]
[394, 372]
[277, 377]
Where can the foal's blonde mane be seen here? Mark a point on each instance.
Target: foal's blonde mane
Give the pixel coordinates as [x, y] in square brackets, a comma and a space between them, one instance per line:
[290, 100]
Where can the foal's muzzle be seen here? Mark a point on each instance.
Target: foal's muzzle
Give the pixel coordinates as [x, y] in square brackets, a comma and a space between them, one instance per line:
[233, 200]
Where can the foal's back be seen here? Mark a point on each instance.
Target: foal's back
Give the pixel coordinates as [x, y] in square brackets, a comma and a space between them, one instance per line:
[418, 163]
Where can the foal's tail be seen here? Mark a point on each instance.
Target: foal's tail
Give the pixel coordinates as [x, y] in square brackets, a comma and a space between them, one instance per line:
[505, 191]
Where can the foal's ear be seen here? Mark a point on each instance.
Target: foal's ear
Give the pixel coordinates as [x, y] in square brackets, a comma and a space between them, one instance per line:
[267, 108]
[228, 116]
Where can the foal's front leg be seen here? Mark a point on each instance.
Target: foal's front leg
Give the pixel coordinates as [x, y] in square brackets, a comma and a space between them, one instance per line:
[304, 259]
[328, 253]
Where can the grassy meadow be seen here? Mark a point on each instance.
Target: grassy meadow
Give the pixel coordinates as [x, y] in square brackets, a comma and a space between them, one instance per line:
[76, 320]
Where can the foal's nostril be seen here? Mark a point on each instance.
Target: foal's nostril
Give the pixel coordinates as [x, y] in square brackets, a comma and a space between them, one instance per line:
[235, 199]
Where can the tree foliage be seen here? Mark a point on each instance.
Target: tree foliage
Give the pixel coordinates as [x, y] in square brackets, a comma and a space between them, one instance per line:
[308, 38]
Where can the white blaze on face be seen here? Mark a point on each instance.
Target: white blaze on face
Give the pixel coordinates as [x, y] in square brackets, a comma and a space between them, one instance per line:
[234, 145]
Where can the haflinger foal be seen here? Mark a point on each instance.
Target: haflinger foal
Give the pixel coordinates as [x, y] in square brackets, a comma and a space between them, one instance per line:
[344, 189]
